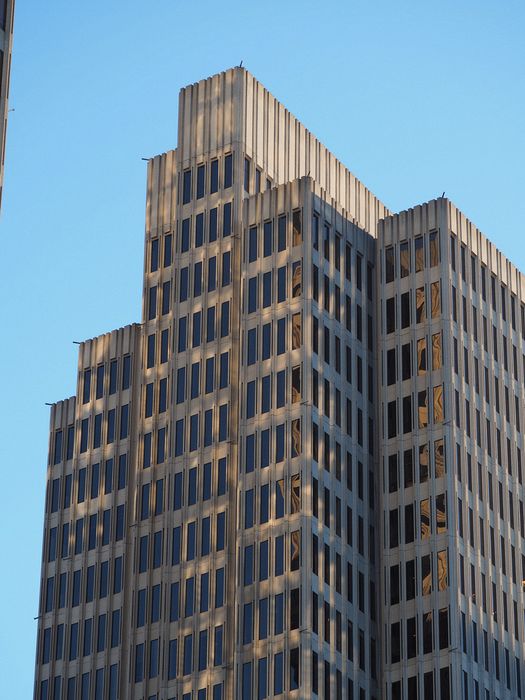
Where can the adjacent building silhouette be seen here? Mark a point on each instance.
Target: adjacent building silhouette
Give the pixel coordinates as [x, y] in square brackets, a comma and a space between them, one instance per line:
[7, 9]
[300, 476]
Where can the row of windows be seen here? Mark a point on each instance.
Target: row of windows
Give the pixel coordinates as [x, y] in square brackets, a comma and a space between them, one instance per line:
[403, 317]
[423, 250]
[96, 637]
[332, 518]
[495, 589]
[252, 181]
[254, 247]
[56, 589]
[507, 515]
[467, 373]
[474, 276]
[425, 687]
[204, 327]
[58, 444]
[400, 360]
[499, 388]
[273, 390]
[189, 380]
[258, 446]
[194, 236]
[484, 438]
[268, 565]
[187, 491]
[334, 575]
[272, 339]
[323, 610]
[418, 577]
[210, 182]
[147, 656]
[502, 563]
[100, 528]
[267, 288]
[184, 601]
[152, 556]
[332, 354]
[286, 500]
[102, 481]
[497, 336]
[336, 242]
[257, 676]
[192, 283]
[400, 413]
[104, 381]
[147, 556]
[423, 635]
[332, 461]
[73, 690]
[404, 472]
[151, 347]
[155, 252]
[272, 615]
[332, 396]
[197, 431]
[338, 311]
[111, 432]
[428, 525]
[184, 338]
[333, 677]
[508, 675]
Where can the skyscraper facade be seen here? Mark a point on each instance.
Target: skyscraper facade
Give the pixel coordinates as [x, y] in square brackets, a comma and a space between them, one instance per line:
[300, 475]
[7, 9]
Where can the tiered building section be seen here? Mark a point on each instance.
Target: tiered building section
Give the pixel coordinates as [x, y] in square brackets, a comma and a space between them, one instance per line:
[282, 483]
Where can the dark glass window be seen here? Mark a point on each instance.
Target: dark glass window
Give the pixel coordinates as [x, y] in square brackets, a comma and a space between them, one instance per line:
[167, 249]
[227, 219]
[126, 372]
[228, 170]
[212, 232]
[186, 186]
[214, 176]
[201, 179]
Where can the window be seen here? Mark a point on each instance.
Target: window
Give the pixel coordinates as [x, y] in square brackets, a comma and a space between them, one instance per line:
[389, 264]
[217, 660]
[228, 171]
[281, 233]
[201, 179]
[296, 227]
[186, 186]
[419, 253]
[267, 238]
[227, 219]
[226, 271]
[404, 259]
[126, 372]
[420, 305]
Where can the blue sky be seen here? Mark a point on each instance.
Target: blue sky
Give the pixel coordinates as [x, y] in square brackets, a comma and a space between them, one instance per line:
[414, 97]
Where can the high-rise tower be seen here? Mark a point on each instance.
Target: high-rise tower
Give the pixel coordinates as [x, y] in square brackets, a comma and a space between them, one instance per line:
[7, 9]
[256, 491]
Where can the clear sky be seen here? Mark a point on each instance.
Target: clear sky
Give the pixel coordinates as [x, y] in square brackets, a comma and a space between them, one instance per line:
[416, 98]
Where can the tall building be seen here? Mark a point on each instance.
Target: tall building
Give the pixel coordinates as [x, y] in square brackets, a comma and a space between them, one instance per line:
[7, 9]
[300, 476]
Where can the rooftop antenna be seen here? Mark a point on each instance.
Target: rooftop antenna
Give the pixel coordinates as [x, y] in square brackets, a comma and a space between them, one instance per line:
[240, 64]
[442, 196]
